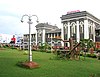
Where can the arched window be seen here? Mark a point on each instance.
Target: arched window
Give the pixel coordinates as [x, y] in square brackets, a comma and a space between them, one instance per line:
[91, 29]
[73, 30]
[65, 31]
[81, 29]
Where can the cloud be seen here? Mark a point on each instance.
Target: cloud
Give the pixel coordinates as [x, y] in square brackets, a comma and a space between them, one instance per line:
[8, 24]
[49, 11]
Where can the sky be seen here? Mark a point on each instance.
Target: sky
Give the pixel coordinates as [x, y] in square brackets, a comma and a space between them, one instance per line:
[49, 11]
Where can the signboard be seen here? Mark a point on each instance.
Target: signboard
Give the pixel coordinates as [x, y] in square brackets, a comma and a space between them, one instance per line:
[69, 12]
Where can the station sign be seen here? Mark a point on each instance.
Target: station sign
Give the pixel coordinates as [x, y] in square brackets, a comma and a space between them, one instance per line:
[69, 12]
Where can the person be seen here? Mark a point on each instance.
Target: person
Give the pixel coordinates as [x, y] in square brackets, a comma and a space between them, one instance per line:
[13, 40]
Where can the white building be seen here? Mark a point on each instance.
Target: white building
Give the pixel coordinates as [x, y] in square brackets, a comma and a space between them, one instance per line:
[76, 24]
[80, 25]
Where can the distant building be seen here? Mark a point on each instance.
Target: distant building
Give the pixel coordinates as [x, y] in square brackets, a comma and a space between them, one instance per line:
[26, 40]
[45, 33]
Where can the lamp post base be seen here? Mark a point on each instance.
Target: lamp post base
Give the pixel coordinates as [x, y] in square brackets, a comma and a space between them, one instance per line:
[30, 64]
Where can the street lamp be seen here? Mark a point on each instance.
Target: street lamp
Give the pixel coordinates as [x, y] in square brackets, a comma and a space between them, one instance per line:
[29, 22]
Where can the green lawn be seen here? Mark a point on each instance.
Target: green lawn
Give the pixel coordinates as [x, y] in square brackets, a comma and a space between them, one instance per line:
[48, 67]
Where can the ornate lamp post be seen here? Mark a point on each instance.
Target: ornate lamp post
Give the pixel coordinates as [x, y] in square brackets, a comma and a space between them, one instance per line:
[30, 52]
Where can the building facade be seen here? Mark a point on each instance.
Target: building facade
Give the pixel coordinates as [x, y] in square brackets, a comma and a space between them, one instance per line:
[45, 33]
[26, 40]
[79, 25]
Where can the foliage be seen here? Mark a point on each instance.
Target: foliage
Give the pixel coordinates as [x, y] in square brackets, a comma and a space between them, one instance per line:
[91, 55]
[87, 43]
[26, 52]
[5, 46]
[44, 47]
[41, 48]
[98, 55]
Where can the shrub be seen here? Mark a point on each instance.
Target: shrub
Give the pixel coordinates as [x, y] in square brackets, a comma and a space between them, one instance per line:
[98, 55]
[48, 51]
[26, 52]
[91, 55]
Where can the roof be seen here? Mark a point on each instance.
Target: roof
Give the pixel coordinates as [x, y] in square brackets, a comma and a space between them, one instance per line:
[46, 25]
[79, 14]
[54, 31]
[41, 25]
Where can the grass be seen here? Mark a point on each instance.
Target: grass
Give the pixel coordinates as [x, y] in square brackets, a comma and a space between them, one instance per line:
[49, 67]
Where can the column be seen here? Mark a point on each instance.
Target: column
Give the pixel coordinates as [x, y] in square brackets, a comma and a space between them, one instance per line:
[68, 32]
[93, 31]
[36, 37]
[78, 34]
[62, 35]
[86, 29]
[51, 43]
[51, 35]
[47, 35]
[58, 34]
[54, 35]
[43, 37]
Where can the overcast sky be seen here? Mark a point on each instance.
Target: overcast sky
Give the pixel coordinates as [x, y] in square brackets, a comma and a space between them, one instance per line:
[49, 11]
